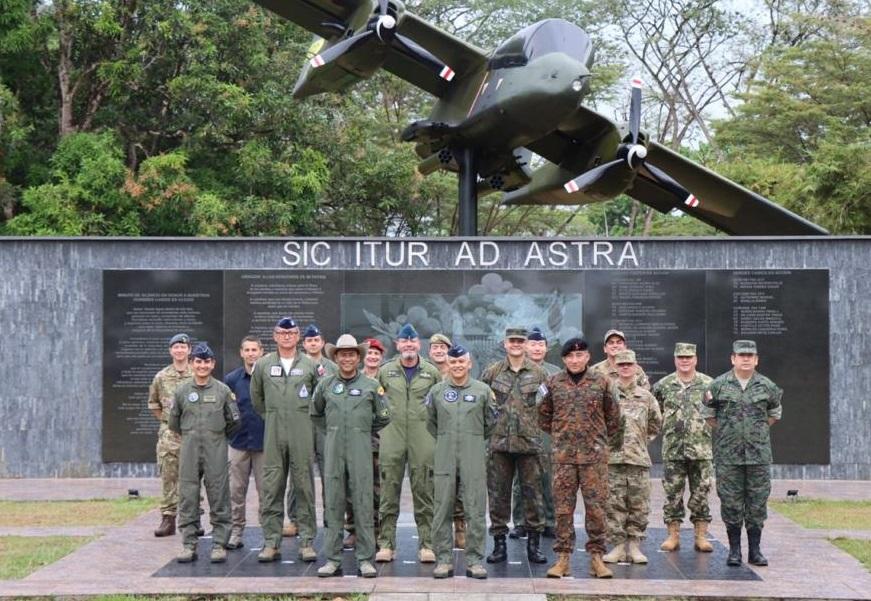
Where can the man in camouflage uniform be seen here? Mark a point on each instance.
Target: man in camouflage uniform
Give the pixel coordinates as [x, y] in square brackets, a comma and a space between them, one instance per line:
[281, 386]
[461, 415]
[515, 445]
[407, 379]
[536, 350]
[686, 448]
[581, 412]
[353, 407]
[203, 414]
[614, 342]
[741, 406]
[160, 398]
[629, 465]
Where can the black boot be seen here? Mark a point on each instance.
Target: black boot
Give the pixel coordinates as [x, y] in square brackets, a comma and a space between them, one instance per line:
[532, 552]
[754, 555]
[500, 553]
[734, 533]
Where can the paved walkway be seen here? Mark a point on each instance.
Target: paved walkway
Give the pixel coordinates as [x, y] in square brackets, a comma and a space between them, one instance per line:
[803, 563]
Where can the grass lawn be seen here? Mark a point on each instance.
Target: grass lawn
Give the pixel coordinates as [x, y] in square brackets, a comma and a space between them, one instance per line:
[96, 512]
[836, 515]
[860, 549]
[21, 555]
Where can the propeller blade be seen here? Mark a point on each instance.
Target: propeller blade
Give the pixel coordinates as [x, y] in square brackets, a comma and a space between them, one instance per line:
[588, 178]
[424, 56]
[334, 52]
[635, 109]
[382, 7]
[664, 180]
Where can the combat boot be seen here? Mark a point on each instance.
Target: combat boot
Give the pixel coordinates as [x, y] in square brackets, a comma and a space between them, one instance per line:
[459, 534]
[268, 554]
[426, 555]
[187, 555]
[754, 555]
[518, 532]
[443, 570]
[235, 541]
[218, 554]
[617, 554]
[533, 554]
[477, 571]
[350, 541]
[734, 534]
[562, 567]
[331, 568]
[598, 568]
[167, 526]
[384, 554]
[500, 552]
[307, 553]
[634, 551]
[672, 543]
[701, 542]
[289, 530]
[366, 569]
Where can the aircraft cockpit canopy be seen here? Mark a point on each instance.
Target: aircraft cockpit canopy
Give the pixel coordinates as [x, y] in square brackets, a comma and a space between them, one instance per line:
[544, 37]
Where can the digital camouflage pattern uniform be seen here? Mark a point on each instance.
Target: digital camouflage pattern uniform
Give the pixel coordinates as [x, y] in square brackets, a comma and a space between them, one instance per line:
[742, 445]
[352, 410]
[160, 397]
[406, 440]
[629, 464]
[460, 418]
[686, 447]
[580, 417]
[515, 444]
[203, 416]
[605, 368]
[282, 399]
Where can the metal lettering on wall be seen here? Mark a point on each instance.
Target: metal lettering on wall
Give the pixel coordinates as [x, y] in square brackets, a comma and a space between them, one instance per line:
[782, 310]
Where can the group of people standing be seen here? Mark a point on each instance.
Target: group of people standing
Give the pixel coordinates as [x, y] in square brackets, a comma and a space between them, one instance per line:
[527, 434]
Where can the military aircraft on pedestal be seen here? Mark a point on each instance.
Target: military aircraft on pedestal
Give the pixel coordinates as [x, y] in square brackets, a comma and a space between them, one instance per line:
[495, 109]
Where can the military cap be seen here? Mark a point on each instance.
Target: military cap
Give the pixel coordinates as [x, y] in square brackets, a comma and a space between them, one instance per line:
[408, 332]
[286, 323]
[376, 344]
[180, 338]
[573, 344]
[535, 334]
[613, 332]
[744, 347]
[684, 349]
[515, 332]
[440, 339]
[624, 357]
[458, 351]
[345, 342]
[202, 351]
[311, 331]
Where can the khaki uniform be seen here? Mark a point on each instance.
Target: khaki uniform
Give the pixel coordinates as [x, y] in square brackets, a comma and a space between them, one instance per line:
[203, 416]
[629, 464]
[460, 418]
[160, 398]
[282, 399]
[406, 441]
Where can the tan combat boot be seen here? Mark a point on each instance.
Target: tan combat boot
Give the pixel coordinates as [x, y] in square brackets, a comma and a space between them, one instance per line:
[384, 554]
[672, 543]
[477, 571]
[187, 555]
[598, 567]
[307, 553]
[426, 555]
[634, 550]
[167, 526]
[702, 543]
[218, 554]
[443, 570]
[617, 554]
[459, 534]
[562, 567]
[289, 530]
[268, 554]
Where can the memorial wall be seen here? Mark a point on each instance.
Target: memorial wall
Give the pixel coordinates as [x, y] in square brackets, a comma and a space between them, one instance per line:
[91, 319]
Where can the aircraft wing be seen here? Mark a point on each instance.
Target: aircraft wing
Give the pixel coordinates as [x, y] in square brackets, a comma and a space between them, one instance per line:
[311, 14]
[722, 203]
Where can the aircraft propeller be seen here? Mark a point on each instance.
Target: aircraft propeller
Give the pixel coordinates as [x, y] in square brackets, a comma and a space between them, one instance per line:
[384, 28]
[633, 155]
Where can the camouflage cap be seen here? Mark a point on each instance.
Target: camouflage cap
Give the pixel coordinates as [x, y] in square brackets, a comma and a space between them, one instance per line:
[684, 349]
[744, 347]
[624, 357]
[440, 339]
[515, 333]
[613, 332]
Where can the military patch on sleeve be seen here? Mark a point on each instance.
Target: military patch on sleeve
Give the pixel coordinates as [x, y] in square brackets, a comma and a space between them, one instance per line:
[303, 392]
[193, 397]
[427, 400]
[542, 390]
[451, 395]
[380, 391]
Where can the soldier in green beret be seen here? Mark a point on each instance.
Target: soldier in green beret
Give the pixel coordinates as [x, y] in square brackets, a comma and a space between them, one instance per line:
[741, 406]
[353, 407]
[686, 448]
[204, 412]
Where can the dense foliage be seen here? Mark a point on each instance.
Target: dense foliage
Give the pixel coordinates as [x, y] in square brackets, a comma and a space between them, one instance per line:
[156, 118]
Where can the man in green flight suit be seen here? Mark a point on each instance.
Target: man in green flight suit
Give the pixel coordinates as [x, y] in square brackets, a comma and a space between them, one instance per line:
[281, 386]
[203, 413]
[353, 407]
[461, 415]
[407, 378]
[741, 406]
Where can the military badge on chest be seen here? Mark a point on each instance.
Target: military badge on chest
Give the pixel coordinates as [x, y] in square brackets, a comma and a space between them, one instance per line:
[339, 388]
[275, 371]
[193, 397]
[451, 395]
